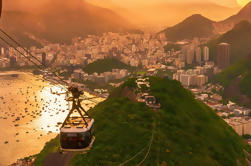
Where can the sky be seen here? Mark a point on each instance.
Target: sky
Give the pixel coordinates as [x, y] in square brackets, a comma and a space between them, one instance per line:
[132, 3]
[228, 3]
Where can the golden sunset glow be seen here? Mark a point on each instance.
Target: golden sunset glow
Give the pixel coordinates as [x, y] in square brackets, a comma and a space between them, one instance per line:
[243, 2]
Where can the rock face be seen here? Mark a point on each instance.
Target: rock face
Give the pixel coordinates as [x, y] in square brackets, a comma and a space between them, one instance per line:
[60, 21]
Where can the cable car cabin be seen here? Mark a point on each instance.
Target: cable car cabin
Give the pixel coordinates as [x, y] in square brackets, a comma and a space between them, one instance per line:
[75, 135]
[152, 102]
[141, 97]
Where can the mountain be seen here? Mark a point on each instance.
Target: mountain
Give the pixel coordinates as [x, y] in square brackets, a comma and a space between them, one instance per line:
[105, 65]
[236, 80]
[229, 23]
[156, 14]
[194, 26]
[61, 20]
[184, 132]
[205, 27]
[239, 38]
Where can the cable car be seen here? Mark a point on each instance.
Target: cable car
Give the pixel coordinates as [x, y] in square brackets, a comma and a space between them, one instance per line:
[152, 102]
[75, 135]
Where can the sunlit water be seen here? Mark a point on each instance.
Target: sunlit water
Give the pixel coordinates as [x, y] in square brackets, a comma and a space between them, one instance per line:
[29, 114]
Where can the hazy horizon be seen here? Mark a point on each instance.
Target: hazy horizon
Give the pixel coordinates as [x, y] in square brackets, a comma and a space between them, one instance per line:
[150, 13]
[159, 14]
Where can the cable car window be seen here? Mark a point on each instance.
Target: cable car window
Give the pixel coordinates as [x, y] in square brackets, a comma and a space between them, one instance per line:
[71, 135]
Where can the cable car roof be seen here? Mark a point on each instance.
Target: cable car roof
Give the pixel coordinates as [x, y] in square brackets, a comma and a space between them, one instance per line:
[75, 129]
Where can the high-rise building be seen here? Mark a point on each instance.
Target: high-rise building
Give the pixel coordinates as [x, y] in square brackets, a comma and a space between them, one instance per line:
[190, 56]
[2, 51]
[223, 55]
[198, 55]
[185, 79]
[206, 53]
[13, 61]
[43, 58]
[201, 80]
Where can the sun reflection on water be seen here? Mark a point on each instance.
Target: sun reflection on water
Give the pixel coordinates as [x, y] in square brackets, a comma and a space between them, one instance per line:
[54, 109]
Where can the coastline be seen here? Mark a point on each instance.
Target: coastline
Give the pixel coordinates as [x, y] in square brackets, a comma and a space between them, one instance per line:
[30, 160]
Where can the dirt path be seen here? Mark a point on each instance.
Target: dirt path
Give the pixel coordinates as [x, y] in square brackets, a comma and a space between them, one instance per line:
[58, 159]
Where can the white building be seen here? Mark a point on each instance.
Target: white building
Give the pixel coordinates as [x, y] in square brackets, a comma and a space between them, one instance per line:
[185, 79]
[206, 54]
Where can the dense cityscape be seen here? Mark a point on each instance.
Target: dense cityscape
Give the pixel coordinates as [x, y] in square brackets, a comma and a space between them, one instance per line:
[191, 65]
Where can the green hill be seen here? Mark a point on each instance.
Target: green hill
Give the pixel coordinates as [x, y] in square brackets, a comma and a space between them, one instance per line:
[239, 38]
[184, 132]
[105, 65]
[237, 81]
[245, 85]
[194, 26]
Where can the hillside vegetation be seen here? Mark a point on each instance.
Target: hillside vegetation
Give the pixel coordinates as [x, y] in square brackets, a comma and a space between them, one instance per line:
[104, 65]
[239, 74]
[245, 85]
[184, 132]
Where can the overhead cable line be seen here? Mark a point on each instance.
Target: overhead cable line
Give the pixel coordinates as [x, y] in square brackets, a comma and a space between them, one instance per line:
[9, 44]
[28, 53]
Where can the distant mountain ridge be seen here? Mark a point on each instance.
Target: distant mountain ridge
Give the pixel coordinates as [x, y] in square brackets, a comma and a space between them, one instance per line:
[229, 23]
[200, 26]
[193, 26]
[166, 13]
[61, 20]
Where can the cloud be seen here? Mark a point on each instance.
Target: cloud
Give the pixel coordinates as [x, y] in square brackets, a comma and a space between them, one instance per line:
[230, 3]
[22, 4]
